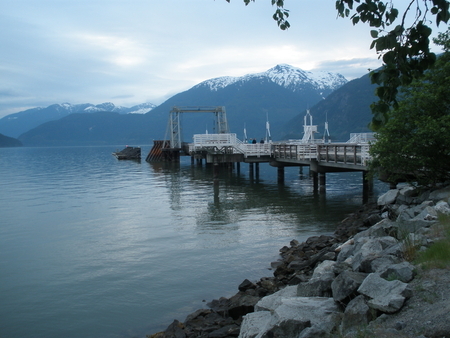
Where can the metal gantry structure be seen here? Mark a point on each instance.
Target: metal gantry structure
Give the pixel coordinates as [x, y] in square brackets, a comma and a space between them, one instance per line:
[173, 131]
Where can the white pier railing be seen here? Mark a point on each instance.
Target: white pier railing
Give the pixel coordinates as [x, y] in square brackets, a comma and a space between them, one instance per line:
[350, 153]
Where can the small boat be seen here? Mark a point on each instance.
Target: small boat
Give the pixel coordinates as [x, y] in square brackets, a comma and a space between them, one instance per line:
[128, 153]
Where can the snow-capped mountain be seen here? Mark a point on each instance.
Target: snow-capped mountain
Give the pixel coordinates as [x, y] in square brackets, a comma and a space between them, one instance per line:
[284, 75]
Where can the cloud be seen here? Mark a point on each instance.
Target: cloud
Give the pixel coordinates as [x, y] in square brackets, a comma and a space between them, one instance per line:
[143, 51]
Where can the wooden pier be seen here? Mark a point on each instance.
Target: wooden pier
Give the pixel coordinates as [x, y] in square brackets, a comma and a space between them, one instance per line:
[224, 149]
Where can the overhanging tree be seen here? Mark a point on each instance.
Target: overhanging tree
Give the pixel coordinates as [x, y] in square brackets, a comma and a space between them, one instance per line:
[400, 39]
[414, 144]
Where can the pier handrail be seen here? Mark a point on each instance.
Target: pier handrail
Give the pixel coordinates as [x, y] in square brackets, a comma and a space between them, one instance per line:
[361, 138]
[353, 154]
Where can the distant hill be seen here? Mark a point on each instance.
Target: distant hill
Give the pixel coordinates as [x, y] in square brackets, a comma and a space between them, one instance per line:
[347, 110]
[280, 94]
[15, 124]
[100, 128]
[6, 141]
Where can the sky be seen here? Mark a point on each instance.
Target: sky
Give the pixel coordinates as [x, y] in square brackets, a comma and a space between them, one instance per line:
[134, 51]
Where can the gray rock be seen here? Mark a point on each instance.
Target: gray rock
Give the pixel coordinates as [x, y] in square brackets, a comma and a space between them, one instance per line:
[428, 213]
[346, 284]
[403, 272]
[419, 208]
[291, 316]
[442, 207]
[315, 287]
[245, 285]
[271, 302]
[346, 250]
[406, 214]
[401, 229]
[369, 251]
[175, 330]
[386, 296]
[356, 316]
[256, 324]
[225, 331]
[382, 263]
[377, 230]
[388, 198]
[441, 194]
[321, 312]
[320, 283]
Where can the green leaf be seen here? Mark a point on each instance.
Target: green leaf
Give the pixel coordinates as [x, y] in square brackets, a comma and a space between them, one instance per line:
[374, 33]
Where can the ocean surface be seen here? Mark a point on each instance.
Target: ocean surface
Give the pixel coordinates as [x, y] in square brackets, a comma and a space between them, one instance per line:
[95, 247]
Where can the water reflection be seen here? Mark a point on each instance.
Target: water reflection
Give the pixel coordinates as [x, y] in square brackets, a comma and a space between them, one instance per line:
[227, 200]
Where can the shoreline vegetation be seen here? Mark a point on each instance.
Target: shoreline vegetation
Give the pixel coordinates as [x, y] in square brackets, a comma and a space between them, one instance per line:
[370, 250]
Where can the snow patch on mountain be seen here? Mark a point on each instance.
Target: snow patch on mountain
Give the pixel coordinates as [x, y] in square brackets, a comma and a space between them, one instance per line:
[141, 108]
[283, 75]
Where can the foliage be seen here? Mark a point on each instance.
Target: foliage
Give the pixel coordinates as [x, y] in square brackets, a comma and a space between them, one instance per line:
[400, 39]
[414, 143]
[438, 254]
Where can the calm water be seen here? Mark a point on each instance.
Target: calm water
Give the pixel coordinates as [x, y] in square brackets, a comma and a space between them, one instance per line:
[95, 247]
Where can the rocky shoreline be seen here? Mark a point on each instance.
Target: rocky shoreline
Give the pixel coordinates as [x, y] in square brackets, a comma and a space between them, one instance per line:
[330, 285]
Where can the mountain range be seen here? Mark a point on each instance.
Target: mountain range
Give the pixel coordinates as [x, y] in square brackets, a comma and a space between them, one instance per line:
[16, 124]
[281, 95]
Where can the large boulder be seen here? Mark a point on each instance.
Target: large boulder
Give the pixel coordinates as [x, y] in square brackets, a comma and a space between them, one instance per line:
[320, 283]
[441, 194]
[272, 301]
[356, 316]
[346, 284]
[283, 314]
[386, 296]
[371, 249]
[403, 271]
[388, 198]
[442, 207]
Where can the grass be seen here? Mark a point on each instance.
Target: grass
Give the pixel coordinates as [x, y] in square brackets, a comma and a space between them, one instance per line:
[438, 254]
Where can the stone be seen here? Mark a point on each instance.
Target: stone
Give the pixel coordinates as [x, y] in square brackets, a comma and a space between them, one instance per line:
[346, 250]
[369, 251]
[268, 284]
[288, 317]
[255, 324]
[388, 198]
[377, 230]
[225, 331]
[406, 214]
[441, 194]
[401, 229]
[175, 330]
[442, 207]
[386, 296]
[403, 272]
[416, 240]
[315, 287]
[380, 264]
[271, 302]
[357, 315]
[428, 213]
[241, 304]
[320, 283]
[324, 269]
[245, 285]
[346, 284]
[373, 219]
[321, 312]
[196, 314]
